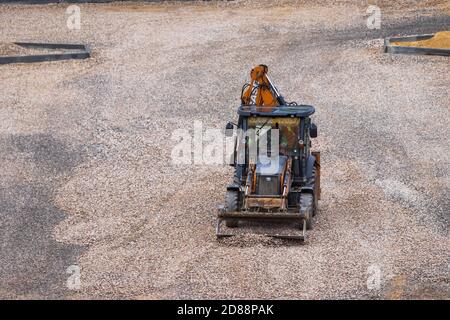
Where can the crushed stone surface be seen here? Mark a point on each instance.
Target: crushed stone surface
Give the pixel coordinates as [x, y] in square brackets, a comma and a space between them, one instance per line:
[10, 49]
[88, 143]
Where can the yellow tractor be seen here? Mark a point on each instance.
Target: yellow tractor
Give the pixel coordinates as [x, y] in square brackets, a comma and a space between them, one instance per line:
[277, 175]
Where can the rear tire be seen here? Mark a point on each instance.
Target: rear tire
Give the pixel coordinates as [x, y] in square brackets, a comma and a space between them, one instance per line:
[232, 202]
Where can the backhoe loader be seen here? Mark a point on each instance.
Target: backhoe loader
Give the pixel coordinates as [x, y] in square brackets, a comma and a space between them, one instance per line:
[276, 176]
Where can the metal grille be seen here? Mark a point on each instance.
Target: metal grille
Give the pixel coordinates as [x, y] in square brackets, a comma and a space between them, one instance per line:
[268, 185]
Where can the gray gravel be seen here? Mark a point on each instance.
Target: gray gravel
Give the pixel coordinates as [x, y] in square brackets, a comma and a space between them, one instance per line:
[94, 138]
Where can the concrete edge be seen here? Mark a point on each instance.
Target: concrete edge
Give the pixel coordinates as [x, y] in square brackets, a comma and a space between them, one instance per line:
[85, 52]
[388, 48]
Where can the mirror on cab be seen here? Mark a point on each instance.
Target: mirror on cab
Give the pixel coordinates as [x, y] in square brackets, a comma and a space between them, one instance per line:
[313, 130]
[229, 129]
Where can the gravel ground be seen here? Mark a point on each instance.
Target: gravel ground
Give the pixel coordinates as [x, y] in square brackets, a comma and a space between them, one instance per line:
[87, 177]
[9, 49]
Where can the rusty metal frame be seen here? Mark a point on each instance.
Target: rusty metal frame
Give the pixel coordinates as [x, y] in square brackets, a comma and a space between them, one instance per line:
[265, 202]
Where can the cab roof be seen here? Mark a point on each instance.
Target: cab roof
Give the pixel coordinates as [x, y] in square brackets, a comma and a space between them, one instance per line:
[299, 111]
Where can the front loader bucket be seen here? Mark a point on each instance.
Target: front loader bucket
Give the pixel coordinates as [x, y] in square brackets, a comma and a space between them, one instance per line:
[260, 216]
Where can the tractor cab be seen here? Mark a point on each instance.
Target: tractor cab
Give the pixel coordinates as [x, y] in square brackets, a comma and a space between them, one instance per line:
[269, 135]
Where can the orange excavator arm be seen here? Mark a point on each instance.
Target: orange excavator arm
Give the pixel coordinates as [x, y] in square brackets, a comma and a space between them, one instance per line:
[261, 91]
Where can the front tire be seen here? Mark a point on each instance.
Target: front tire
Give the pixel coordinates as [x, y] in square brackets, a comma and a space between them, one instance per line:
[232, 203]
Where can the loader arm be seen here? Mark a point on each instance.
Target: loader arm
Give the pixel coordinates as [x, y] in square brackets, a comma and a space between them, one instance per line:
[261, 91]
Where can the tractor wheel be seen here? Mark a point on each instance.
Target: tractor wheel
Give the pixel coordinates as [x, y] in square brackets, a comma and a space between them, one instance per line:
[232, 202]
[307, 204]
[309, 223]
